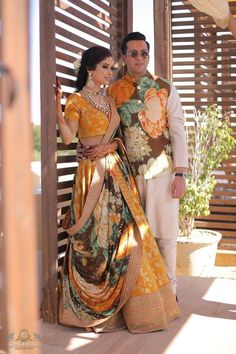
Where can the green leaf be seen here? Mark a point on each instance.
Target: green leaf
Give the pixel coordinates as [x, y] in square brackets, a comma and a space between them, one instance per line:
[210, 142]
[128, 108]
[145, 84]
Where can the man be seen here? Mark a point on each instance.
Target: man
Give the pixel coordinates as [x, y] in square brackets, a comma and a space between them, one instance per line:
[152, 124]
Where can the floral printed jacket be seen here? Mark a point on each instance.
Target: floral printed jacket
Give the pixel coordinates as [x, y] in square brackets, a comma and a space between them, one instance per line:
[142, 106]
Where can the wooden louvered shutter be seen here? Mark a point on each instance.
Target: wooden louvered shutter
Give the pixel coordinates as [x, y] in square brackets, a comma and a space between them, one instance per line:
[204, 72]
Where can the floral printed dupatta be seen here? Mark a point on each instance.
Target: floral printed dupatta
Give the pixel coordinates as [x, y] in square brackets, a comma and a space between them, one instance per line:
[113, 275]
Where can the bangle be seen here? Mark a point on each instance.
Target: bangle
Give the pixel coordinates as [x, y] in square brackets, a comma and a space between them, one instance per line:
[181, 174]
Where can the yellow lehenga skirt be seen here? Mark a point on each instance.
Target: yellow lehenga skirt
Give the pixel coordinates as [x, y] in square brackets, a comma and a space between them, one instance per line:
[113, 275]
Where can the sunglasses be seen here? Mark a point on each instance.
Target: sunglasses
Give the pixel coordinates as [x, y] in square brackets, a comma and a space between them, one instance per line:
[134, 53]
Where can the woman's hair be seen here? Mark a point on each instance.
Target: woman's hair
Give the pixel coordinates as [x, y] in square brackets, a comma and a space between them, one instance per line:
[90, 58]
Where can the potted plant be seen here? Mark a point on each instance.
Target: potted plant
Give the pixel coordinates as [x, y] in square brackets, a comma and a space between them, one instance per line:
[210, 141]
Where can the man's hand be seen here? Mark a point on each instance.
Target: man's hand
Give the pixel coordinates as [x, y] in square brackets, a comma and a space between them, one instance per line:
[178, 187]
[80, 152]
[99, 151]
[95, 152]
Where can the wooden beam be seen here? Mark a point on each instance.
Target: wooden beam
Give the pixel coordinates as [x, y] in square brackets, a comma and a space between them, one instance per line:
[48, 160]
[3, 297]
[125, 24]
[19, 226]
[162, 38]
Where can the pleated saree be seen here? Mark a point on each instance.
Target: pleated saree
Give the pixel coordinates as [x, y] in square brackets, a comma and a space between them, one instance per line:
[113, 276]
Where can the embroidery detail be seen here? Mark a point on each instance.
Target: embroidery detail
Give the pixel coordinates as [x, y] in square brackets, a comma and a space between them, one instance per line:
[137, 143]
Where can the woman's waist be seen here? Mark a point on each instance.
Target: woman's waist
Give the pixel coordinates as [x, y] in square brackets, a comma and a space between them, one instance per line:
[91, 140]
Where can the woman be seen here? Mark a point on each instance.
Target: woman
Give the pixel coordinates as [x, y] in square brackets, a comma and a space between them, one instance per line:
[113, 275]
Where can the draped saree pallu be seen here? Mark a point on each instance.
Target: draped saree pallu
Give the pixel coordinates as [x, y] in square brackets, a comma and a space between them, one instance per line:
[113, 275]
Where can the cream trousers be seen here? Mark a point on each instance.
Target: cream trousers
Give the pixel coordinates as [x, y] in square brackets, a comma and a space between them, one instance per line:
[162, 212]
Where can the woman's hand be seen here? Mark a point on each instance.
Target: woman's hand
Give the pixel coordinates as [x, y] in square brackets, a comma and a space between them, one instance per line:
[58, 91]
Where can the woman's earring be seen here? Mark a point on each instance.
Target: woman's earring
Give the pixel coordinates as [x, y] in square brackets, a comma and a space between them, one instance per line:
[90, 83]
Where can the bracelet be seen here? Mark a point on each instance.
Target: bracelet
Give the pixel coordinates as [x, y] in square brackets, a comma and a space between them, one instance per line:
[181, 174]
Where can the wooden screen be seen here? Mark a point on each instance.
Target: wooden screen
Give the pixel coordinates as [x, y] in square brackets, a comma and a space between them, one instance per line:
[67, 29]
[204, 72]
[18, 273]
[79, 26]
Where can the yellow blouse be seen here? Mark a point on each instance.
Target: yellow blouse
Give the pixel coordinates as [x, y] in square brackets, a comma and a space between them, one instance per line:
[90, 120]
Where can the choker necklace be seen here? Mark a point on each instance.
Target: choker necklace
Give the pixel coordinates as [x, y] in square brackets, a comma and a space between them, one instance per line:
[98, 100]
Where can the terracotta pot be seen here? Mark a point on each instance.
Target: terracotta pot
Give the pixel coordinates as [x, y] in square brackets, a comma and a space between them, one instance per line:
[196, 254]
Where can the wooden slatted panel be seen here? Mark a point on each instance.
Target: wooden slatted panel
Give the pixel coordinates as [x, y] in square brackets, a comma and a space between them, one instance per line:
[204, 72]
[78, 26]
[67, 27]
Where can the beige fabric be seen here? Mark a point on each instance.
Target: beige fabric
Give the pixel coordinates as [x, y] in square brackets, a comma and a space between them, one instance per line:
[176, 129]
[162, 213]
[218, 9]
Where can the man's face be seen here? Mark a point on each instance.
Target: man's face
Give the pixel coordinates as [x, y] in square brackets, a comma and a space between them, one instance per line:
[136, 58]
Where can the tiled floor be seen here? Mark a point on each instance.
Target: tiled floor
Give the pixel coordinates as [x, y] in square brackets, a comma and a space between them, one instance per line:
[207, 325]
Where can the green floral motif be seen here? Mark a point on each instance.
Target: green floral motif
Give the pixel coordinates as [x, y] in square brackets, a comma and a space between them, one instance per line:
[137, 143]
[128, 108]
[145, 84]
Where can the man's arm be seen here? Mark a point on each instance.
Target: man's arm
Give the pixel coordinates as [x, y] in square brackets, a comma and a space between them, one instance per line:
[179, 145]
[176, 122]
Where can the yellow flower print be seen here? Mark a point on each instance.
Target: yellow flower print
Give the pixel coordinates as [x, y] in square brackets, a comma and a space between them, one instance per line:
[153, 117]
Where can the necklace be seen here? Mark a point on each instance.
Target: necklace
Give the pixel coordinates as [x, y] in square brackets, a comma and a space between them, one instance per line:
[98, 100]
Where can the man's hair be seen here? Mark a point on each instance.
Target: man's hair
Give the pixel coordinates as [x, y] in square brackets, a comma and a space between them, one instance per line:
[132, 36]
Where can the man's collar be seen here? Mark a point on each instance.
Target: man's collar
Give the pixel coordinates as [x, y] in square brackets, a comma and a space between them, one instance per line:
[132, 79]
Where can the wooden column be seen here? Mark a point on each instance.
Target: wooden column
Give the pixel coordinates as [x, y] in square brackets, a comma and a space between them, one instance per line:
[125, 26]
[127, 9]
[125, 17]
[18, 240]
[48, 160]
[162, 38]
[3, 298]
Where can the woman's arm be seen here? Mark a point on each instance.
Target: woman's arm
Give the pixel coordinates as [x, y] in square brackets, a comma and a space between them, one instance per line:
[67, 131]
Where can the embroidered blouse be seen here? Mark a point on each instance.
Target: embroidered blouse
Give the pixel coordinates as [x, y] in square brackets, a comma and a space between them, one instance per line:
[88, 120]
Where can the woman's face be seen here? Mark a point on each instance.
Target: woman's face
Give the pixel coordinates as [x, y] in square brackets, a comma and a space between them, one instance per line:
[103, 73]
